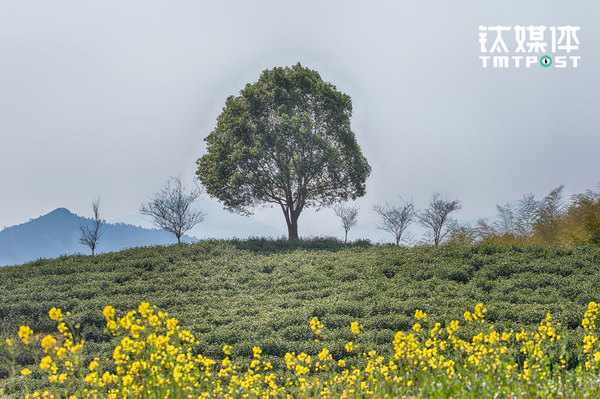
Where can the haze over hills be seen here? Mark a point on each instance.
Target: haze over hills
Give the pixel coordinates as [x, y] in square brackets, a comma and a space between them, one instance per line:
[218, 223]
[57, 233]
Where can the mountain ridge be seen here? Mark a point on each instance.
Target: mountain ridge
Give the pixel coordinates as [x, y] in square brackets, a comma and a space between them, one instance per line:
[57, 233]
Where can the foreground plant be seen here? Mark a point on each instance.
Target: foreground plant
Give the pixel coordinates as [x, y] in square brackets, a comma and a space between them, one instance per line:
[155, 358]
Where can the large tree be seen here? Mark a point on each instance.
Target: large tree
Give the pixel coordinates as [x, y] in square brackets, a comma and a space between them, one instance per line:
[285, 140]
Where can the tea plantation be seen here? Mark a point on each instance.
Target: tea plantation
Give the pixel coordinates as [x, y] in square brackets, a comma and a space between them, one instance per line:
[264, 292]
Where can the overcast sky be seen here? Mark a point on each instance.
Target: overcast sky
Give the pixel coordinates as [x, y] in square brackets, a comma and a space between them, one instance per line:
[110, 98]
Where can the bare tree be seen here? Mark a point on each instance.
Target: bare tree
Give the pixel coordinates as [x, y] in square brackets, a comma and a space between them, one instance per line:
[437, 216]
[506, 219]
[549, 215]
[485, 230]
[172, 209]
[526, 215]
[91, 234]
[395, 219]
[348, 216]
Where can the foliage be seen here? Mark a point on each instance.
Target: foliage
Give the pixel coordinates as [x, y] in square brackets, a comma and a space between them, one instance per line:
[549, 221]
[285, 140]
[260, 292]
[154, 357]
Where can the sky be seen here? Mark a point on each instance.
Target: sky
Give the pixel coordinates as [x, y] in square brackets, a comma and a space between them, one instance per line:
[111, 98]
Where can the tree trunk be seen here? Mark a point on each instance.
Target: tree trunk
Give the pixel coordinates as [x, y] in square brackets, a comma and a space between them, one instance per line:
[292, 229]
[346, 237]
[291, 219]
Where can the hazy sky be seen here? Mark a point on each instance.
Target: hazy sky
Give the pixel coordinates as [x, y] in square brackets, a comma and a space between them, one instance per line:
[110, 98]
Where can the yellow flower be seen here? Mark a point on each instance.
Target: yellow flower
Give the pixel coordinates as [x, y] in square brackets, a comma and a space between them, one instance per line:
[47, 342]
[417, 327]
[8, 342]
[420, 315]
[468, 316]
[24, 333]
[45, 362]
[172, 324]
[93, 364]
[127, 380]
[62, 378]
[349, 346]
[342, 363]
[355, 327]
[153, 320]
[324, 355]
[144, 309]
[257, 351]
[25, 372]
[62, 328]
[107, 377]
[61, 352]
[316, 325]
[109, 313]
[91, 378]
[226, 349]
[135, 331]
[55, 314]
[479, 312]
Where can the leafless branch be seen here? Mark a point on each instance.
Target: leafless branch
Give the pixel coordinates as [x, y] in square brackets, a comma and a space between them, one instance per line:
[348, 216]
[437, 216]
[172, 209]
[91, 234]
[395, 219]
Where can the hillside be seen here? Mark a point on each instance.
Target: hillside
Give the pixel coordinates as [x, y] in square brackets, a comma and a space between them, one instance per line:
[257, 292]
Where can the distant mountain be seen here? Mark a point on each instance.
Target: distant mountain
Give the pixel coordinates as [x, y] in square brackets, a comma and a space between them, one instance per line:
[57, 233]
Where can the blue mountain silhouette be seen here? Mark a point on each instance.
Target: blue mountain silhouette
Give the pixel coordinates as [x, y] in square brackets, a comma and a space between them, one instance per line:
[57, 233]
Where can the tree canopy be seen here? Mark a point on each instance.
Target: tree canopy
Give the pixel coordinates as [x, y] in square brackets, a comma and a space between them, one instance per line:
[285, 140]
